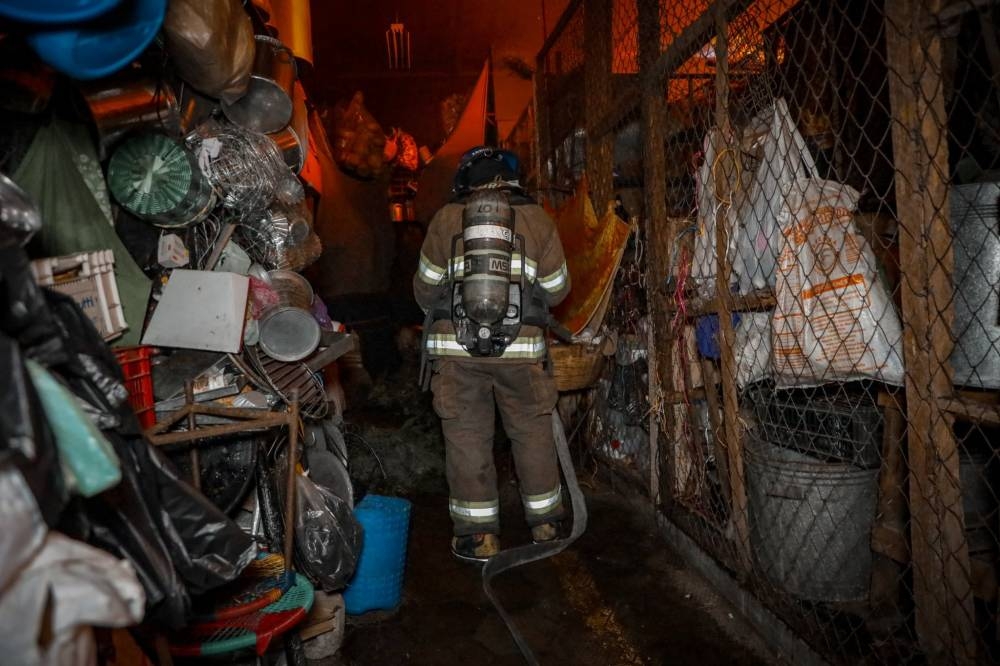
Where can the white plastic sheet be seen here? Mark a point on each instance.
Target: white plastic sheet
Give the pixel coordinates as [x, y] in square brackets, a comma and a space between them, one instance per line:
[48, 611]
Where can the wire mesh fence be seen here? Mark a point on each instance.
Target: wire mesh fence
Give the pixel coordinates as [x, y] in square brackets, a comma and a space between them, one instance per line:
[817, 183]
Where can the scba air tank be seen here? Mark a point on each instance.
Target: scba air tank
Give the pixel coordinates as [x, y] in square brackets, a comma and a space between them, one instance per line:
[488, 243]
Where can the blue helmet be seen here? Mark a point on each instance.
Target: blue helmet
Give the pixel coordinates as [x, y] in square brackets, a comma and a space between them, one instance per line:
[484, 163]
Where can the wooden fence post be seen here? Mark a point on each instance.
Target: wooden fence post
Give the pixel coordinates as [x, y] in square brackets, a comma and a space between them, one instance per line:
[945, 612]
[659, 236]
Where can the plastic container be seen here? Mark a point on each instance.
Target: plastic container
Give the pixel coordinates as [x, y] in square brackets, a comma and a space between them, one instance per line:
[829, 429]
[137, 368]
[89, 279]
[55, 11]
[378, 579]
[104, 45]
[706, 334]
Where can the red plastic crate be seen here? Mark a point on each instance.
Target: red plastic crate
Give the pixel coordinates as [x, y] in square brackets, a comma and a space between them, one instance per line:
[136, 365]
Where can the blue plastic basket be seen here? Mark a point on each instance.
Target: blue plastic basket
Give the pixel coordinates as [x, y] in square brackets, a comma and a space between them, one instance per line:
[378, 579]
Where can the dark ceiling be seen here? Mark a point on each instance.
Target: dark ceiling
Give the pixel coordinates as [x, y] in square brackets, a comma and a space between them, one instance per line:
[450, 41]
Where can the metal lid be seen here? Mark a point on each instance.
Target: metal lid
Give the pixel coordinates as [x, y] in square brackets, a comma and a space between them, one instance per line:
[288, 334]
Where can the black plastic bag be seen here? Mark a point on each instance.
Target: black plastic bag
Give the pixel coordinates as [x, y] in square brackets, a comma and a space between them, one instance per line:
[122, 522]
[327, 535]
[207, 547]
[25, 438]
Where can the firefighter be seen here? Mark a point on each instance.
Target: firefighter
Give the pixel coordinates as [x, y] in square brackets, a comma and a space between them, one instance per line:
[503, 363]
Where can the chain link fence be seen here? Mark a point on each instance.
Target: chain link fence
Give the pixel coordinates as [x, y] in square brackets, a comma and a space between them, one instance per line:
[817, 183]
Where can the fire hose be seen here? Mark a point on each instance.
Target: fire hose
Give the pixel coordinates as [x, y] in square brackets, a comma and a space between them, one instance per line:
[515, 557]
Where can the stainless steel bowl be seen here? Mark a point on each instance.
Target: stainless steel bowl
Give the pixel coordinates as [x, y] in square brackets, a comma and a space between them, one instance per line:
[267, 105]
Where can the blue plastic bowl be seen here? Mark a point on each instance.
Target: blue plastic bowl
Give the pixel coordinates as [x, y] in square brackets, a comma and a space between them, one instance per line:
[103, 46]
[54, 11]
[378, 578]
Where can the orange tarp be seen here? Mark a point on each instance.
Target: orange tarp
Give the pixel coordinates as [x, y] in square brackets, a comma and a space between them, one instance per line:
[594, 249]
[470, 131]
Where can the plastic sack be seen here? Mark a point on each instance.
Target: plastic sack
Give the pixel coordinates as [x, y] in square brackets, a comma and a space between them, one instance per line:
[712, 197]
[89, 463]
[834, 319]
[784, 158]
[26, 443]
[211, 42]
[66, 590]
[752, 347]
[327, 535]
[358, 140]
[21, 524]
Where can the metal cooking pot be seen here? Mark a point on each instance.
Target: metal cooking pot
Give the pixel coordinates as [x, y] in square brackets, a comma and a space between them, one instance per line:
[267, 105]
[288, 333]
[293, 140]
[292, 289]
[123, 105]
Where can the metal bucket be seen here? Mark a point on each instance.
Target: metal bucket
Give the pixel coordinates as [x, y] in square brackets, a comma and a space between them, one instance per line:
[810, 522]
[267, 105]
[288, 331]
[293, 140]
[975, 360]
[123, 105]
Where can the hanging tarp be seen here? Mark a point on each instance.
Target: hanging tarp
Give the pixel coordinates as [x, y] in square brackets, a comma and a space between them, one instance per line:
[436, 180]
[72, 219]
[594, 249]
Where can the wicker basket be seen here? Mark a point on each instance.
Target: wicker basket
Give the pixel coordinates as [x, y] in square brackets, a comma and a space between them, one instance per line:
[576, 366]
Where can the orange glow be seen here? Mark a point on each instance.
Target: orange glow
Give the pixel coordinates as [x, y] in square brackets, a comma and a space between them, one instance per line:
[746, 40]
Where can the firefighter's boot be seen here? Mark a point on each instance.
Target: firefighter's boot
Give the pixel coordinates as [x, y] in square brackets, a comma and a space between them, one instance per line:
[545, 532]
[475, 547]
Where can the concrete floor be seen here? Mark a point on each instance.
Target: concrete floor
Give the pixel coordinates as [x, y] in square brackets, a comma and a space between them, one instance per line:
[618, 596]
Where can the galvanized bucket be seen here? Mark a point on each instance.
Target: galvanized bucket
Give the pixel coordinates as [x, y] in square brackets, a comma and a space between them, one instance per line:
[810, 522]
[975, 358]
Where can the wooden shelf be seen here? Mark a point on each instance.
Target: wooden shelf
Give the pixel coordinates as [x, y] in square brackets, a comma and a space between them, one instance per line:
[753, 302]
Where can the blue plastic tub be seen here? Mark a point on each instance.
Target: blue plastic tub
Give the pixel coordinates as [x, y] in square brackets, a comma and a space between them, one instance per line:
[97, 48]
[378, 579]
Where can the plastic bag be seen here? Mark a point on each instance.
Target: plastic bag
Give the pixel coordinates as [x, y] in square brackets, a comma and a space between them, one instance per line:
[834, 319]
[26, 443]
[212, 44]
[752, 347]
[66, 590]
[358, 140]
[712, 197]
[327, 535]
[783, 158]
[89, 463]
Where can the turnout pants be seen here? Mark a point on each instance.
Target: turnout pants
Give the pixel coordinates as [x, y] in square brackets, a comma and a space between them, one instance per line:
[464, 395]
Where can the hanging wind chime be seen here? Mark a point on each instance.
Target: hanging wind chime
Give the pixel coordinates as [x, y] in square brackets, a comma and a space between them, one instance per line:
[397, 45]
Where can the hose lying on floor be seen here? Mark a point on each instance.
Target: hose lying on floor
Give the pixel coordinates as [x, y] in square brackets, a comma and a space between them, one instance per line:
[515, 557]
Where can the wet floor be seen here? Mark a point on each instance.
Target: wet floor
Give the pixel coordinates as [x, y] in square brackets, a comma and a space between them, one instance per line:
[618, 596]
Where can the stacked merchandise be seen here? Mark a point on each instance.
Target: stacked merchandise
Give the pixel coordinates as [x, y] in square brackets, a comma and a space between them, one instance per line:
[174, 225]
